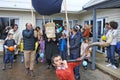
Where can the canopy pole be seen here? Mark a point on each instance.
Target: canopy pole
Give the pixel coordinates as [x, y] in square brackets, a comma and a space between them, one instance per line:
[32, 14]
[43, 20]
[67, 24]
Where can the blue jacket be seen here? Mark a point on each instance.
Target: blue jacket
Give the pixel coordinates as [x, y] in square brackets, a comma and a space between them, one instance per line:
[63, 44]
[75, 44]
[28, 39]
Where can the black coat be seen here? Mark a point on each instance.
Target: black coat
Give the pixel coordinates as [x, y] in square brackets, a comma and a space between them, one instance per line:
[51, 48]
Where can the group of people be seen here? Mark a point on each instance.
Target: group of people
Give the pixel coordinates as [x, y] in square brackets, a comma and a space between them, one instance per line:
[35, 42]
[54, 50]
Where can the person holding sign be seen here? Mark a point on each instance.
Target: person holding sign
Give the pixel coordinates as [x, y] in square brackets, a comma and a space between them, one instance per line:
[51, 41]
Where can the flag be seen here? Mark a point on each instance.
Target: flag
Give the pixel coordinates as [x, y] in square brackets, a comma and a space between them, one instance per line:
[47, 7]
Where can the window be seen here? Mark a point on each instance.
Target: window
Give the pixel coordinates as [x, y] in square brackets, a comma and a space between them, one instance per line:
[75, 22]
[6, 21]
[40, 22]
[88, 22]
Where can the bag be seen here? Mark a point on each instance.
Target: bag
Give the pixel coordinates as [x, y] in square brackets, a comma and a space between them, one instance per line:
[118, 45]
[117, 62]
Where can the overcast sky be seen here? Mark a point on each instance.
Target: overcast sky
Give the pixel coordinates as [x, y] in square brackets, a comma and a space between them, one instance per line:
[72, 5]
[75, 5]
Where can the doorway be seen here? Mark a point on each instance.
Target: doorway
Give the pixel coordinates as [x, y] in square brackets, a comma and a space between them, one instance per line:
[60, 22]
[99, 28]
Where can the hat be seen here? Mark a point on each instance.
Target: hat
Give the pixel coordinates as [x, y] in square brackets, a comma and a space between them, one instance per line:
[76, 28]
[57, 25]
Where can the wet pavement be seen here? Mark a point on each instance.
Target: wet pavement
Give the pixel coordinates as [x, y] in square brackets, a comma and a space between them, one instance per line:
[42, 73]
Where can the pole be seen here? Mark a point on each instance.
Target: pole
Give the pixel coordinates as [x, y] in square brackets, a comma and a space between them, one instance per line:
[32, 14]
[43, 20]
[94, 39]
[67, 23]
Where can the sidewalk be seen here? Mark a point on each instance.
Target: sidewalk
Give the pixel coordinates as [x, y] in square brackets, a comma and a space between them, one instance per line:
[100, 63]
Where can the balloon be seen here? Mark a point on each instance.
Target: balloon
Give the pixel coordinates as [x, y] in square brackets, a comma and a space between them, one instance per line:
[21, 46]
[84, 63]
[11, 48]
[104, 38]
[42, 55]
[36, 46]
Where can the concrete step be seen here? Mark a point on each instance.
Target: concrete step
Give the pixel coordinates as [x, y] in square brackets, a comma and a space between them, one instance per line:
[100, 63]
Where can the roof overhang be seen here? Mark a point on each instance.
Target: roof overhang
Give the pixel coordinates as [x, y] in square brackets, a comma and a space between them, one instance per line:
[15, 9]
[106, 4]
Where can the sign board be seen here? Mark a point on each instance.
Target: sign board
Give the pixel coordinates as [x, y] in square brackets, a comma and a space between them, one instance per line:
[50, 30]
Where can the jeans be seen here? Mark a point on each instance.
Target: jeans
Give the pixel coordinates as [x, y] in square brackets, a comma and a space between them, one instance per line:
[108, 52]
[76, 70]
[8, 57]
[112, 54]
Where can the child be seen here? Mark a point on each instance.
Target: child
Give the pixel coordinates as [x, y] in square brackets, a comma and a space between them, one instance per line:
[64, 70]
[42, 48]
[9, 51]
[63, 46]
[84, 45]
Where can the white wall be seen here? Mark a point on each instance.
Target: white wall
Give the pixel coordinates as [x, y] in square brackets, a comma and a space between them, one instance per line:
[24, 17]
[108, 14]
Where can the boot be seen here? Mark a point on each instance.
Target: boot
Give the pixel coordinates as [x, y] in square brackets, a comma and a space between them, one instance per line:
[4, 67]
[32, 73]
[27, 71]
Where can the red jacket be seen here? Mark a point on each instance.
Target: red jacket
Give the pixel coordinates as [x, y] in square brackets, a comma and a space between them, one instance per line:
[68, 73]
[86, 33]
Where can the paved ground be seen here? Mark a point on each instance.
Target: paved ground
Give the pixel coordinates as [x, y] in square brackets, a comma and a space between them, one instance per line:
[18, 73]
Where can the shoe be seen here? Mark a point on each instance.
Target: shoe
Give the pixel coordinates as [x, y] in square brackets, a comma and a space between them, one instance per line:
[114, 67]
[41, 60]
[10, 67]
[77, 78]
[32, 73]
[22, 61]
[27, 71]
[85, 67]
[14, 60]
[109, 65]
[48, 67]
[3, 68]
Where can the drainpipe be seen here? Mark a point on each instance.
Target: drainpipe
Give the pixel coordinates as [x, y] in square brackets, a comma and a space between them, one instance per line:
[94, 39]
